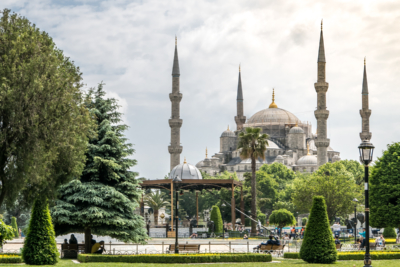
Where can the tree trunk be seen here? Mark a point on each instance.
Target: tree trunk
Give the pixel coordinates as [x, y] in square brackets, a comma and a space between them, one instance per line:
[155, 217]
[253, 196]
[88, 240]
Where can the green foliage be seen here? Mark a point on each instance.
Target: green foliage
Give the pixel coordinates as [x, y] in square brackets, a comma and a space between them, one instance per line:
[215, 216]
[279, 172]
[284, 205]
[156, 200]
[389, 232]
[177, 258]
[331, 181]
[303, 221]
[266, 189]
[282, 218]
[43, 123]
[355, 168]
[262, 217]
[15, 227]
[105, 198]
[10, 259]
[385, 189]
[353, 255]
[40, 246]
[20, 212]
[318, 244]
[6, 233]
[253, 145]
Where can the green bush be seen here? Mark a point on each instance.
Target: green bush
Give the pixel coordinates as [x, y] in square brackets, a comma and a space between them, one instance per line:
[217, 219]
[304, 221]
[6, 233]
[389, 232]
[318, 244]
[357, 255]
[262, 217]
[10, 258]
[282, 218]
[14, 226]
[173, 258]
[40, 246]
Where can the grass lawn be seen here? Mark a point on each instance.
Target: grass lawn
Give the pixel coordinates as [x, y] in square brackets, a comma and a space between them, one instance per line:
[283, 263]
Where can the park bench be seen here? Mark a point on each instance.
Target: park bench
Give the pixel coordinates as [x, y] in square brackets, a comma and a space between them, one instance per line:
[185, 248]
[71, 251]
[272, 248]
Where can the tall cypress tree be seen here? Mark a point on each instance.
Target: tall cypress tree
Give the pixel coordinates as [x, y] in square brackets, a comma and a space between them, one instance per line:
[105, 197]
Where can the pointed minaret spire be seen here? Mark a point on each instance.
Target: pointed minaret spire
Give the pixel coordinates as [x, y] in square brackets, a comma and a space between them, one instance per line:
[365, 112]
[239, 118]
[321, 51]
[175, 122]
[175, 67]
[321, 114]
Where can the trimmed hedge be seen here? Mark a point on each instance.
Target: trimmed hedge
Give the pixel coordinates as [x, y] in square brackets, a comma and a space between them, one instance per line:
[173, 258]
[10, 258]
[389, 232]
[359, 255]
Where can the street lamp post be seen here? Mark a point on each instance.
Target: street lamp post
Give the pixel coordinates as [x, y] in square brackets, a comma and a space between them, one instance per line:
[366, 151]
[355, 217]
[176, 180]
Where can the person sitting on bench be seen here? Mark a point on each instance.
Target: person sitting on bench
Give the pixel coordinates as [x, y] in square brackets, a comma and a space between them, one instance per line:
[337, 241]
[72, 240]
[98, 248]
[270, 242]
[194, 235]
[65, 242]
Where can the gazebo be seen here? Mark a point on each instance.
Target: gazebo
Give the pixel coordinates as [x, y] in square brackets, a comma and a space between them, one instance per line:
[192, 180]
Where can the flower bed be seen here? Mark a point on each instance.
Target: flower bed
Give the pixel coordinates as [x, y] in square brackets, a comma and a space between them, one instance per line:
[176, 258]
[10, 258]
[356, 255]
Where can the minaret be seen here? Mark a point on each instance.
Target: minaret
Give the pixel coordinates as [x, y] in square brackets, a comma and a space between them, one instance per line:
[365, 112]
[321, 114]
[175, 149]
[239, 118]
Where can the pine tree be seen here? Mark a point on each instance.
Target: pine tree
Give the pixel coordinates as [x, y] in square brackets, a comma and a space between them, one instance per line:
[14, 226]
[103, 201]
[215, 216]
[40, 246]
[318, 244]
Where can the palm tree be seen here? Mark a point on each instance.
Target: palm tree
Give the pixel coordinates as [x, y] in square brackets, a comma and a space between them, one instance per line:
[253, 145]
[155, 200]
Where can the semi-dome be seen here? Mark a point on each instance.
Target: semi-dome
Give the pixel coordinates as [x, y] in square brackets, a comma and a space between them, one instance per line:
[296, 130]
[185, 171]
[228, 133]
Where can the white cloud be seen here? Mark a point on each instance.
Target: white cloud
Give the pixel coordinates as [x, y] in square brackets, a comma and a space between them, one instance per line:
[129, 45]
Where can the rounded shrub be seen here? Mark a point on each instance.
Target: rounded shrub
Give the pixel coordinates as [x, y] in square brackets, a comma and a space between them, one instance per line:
[304, 221]
[282, 218]
[389, 232]
[318, 243]
[217, 219]
[14, 226]
[40, 246]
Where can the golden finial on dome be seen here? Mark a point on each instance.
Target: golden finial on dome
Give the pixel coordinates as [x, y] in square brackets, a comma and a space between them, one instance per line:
[297, 125]
[206, 153]
[228, 128]
[273, 105]
[184, 161]
[308, 149]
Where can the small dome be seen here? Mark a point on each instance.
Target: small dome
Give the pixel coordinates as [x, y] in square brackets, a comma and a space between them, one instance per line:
[279, 157]
[296, 130]
[307, 160]
[228, 133]
[185, 171]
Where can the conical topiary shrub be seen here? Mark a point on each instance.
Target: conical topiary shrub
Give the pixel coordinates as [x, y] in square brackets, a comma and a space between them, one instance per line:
[215, 216]
[318, 243]
[14, 226]
[40, 246]
[389, 232]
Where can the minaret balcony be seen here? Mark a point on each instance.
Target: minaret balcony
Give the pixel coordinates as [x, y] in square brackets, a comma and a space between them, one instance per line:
[322, 143]
[175, 149]
[175, 97]
[321, 114]
[365, 113]
[175, 123]
[321, 87]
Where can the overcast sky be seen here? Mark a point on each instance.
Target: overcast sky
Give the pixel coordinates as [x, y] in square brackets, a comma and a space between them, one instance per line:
[129, 45]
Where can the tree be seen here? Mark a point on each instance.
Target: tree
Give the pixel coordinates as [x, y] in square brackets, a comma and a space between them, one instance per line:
[156, 201]
[15, 227]
[318, 244]
[6, 233]
[279, 172]
[355, 168]
[104, 200]
[215, 216]
[282, 218]
[261, 217]
[303, 221]
[43, 122]
[385, 189]
[253, 145]
[266, 189]
[389, 232]
[331, 181]
[40, 246]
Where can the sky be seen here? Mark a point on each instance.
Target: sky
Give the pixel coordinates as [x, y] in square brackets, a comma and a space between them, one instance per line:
[129, 45]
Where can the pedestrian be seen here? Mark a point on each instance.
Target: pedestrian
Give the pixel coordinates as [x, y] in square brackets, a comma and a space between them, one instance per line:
[19, 232]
